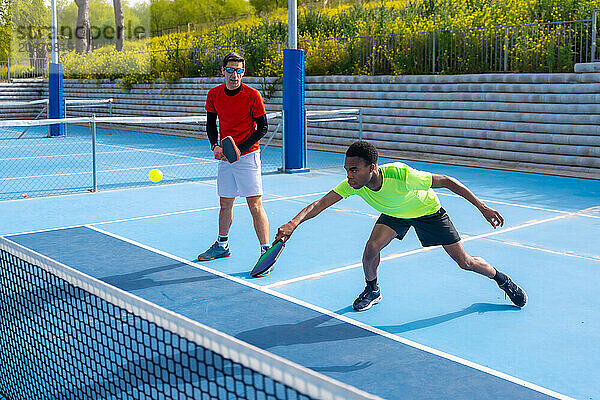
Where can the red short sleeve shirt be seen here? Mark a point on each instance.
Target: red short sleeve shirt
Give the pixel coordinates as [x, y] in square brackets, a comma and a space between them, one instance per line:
[236, 113]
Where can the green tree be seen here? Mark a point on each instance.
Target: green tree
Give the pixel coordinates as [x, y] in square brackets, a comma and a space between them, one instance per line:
[102, 22]
[268, 5]
[83, 30]
[4, 30]
[30, 28]
[168, 14]
[119, 25]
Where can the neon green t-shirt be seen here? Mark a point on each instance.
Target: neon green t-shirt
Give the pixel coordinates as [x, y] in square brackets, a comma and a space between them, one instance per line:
[405, 193]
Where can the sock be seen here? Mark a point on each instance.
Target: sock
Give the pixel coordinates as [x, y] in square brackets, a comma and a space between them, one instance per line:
[264, 247]
[223, 241]
[372, 285]
[500, 278]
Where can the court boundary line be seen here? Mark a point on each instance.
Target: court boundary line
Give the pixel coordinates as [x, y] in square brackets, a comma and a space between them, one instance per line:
[541, 249]
[343, 318]
[338, 209]
[110, 190]
[527, 206]
[209, 182]
[154, 151]
[89, 153]
[393, 256]
[107, 170]
[149, 216]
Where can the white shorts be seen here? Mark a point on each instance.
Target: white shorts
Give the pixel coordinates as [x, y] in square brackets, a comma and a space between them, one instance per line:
[242, 178]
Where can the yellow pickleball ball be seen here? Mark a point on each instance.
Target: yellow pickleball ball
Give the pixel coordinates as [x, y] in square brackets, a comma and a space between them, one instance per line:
[155, 175]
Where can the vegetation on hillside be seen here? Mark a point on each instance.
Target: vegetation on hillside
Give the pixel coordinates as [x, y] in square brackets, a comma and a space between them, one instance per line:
[261, 37]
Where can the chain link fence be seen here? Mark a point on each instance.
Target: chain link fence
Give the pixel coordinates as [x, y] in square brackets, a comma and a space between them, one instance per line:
[100, 153]
[91, 156]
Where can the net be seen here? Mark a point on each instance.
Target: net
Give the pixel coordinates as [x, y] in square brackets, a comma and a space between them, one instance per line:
[67, 335]
[92, 156]
[90, 106]
[99, 153]
[86, 108]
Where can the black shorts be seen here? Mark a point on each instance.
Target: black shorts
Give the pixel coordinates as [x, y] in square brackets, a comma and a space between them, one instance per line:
[432, 230]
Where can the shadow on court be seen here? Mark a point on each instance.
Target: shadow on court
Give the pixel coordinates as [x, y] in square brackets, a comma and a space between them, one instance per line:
[319, 329]
[479, 308]
[140, 280]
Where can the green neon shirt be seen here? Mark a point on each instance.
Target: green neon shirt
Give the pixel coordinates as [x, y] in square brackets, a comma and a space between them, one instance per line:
[405, 193]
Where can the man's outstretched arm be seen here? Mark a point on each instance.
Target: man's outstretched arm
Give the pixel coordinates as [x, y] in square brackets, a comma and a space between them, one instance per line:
[454, 185]
[312, 210]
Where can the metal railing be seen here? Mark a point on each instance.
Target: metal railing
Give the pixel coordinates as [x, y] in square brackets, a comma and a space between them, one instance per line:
[540, 47]
[23, 67]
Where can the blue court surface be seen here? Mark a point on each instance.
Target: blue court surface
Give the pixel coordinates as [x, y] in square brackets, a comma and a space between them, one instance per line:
[439, 332]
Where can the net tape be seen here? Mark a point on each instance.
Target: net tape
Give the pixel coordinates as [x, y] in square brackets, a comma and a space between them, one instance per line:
[123, 120]
[68, 102]
[160, 120]
[279, 369]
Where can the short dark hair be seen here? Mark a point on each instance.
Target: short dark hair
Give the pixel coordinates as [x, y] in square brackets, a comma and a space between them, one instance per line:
[233, 57]
[364, 150]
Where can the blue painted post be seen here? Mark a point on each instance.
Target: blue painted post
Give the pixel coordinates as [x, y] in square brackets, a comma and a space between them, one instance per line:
[55, 98]
[294, 141]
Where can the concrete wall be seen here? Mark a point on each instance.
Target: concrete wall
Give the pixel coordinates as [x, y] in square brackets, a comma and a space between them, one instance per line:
[531, 122]
[21, 90]
[548, 123]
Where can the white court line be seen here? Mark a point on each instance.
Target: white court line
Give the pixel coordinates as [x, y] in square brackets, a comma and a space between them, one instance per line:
[207, 182]
[29, 143]
[127, 148]
[154, 215]
[345, 319]
[105, 170]
[156, 152]
[509, 204]
[421, 250]
[485, 201]
[89, 153]
[560, 253]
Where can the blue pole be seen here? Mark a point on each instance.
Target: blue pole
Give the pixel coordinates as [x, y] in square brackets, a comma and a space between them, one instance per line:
[55, 98]
[294, 112]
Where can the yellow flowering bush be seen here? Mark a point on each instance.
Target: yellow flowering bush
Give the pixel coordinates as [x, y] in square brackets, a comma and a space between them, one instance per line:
[340, 41]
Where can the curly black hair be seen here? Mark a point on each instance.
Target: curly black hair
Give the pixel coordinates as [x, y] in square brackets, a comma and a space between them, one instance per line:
[364, 150]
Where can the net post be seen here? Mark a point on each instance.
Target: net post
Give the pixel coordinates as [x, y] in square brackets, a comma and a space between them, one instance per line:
[94, 172]
[293, 105]
[55, 98]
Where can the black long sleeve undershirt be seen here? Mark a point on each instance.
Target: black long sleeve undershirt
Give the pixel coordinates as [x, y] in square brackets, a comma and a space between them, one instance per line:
[261, 130]
[211, 129]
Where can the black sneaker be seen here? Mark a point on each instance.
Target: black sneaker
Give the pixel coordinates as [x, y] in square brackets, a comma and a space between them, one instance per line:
[367, 299]
[514, 292]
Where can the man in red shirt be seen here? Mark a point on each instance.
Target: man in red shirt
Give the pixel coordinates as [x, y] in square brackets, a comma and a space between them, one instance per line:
[241, 113]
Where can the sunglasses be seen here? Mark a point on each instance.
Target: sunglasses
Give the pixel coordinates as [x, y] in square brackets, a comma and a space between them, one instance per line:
[231, 70]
